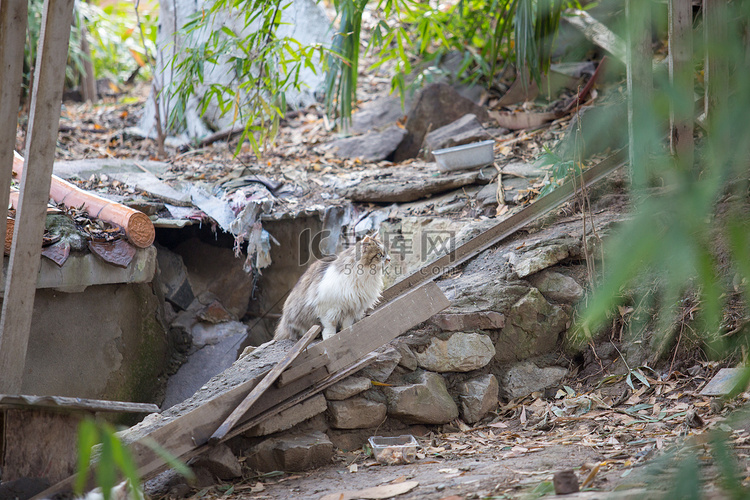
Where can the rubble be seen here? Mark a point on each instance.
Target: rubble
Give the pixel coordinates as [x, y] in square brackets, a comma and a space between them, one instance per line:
[220, 462]
[372, 146]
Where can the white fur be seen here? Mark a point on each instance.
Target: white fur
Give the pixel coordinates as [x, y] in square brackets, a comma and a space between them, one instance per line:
[344, 297]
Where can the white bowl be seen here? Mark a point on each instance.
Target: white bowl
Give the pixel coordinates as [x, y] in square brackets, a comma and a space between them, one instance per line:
[476, 154]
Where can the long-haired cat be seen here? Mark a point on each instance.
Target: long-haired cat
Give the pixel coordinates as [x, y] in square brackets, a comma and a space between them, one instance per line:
[335, 291]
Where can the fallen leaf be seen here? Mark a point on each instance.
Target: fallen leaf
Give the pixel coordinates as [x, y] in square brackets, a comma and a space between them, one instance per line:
[374, 493]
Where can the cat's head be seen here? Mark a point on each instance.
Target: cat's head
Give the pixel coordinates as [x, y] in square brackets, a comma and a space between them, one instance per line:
[373, 252]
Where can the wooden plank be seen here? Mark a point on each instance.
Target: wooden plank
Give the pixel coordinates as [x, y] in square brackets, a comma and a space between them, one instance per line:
[681, 77]
[62, 402]
[716, 74]
[13, 15]
[383, 325]
[302, 396]
[39, 443]
[264, 385]
[505, 228]
[640, 82]
[25, 255]
[295, 372]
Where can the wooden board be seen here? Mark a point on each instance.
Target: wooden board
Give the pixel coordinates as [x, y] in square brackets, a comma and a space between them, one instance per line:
[640, 82]
[383, 325]
[681, 76]
[66, 403]
[39, 443]
[716, 76]
[13, 15]
[26, 251]
[264, 385]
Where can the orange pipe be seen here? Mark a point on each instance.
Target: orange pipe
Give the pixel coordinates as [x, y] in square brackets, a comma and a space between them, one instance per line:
[137, 226]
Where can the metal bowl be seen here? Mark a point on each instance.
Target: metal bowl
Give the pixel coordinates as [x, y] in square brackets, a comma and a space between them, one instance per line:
[477, 154]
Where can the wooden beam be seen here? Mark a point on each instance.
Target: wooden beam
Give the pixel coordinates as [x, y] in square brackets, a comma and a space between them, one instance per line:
[640, 83]
[264, 384]
[716, 74]
[25, 254]
[383, 325]
[13, 16]
[681, 77]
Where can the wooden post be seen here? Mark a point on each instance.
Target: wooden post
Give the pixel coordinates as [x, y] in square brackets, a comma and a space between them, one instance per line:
[640, 81]
[681, 78]
[23, 267]
[716, 74]
[88, 81]
[13, 15]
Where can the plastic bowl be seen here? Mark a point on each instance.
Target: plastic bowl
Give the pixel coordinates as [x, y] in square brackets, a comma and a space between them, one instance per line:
[394, 450]
[476, 154]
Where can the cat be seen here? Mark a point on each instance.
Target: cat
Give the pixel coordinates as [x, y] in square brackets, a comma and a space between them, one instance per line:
[335, 291]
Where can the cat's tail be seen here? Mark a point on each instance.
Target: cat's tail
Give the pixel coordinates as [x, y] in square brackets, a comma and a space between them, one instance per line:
[283, 332]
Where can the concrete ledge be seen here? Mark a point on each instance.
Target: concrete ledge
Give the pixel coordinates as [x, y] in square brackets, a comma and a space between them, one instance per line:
[84, 270]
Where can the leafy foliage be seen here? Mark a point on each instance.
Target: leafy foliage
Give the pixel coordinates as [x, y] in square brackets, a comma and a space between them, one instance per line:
[116, 48]
[265, 66]
[113, 460]
[671, 240]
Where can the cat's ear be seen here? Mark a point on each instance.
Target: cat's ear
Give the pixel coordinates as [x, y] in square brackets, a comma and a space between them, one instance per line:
[367, 239]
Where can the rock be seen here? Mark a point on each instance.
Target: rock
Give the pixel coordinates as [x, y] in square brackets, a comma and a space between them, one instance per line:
[292, 452]
[373, 146]
[290, 417]
[378, 113]
[214, 312]
[200, 366]
[224, 277]
[404, 186]
[437, 105]
[524, 378]
[522, 169]
[408, 359]
[387, 361]
[481, 320]
[565, 482]
[350, 386]
[213, 333]
[462, 352]
[356, 413]
[558, 287]
[173, 275]
[532, 328]
[427, 401]
[539, 258]
[219, 461]
[478, 396]
[465, 130]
